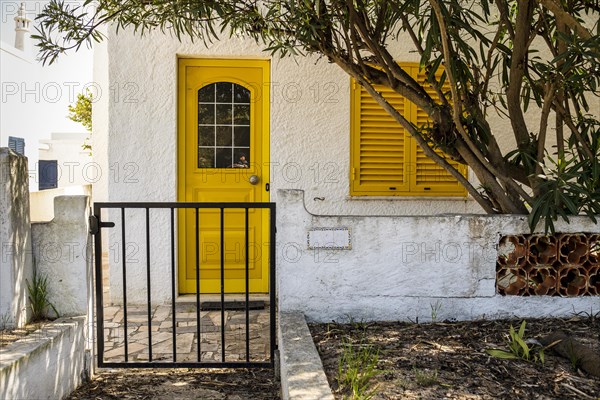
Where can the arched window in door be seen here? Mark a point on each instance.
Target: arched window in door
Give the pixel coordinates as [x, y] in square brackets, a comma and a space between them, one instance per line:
[223, 126]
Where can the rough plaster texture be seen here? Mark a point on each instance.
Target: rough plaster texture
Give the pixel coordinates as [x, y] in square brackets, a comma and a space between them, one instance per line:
[63, 253]
[310, 125]
[136, 136]
[302, 375]
[400, 268]
[15, 239]
[48, 364]
[135, 144]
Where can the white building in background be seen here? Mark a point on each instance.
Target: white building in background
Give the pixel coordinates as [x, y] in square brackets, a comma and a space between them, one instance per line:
[74, 165]
[35, 98]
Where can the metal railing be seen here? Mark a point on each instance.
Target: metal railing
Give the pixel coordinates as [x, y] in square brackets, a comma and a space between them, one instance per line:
[97, 223]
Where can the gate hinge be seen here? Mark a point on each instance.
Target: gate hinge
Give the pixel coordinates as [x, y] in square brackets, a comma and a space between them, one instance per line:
[95, 225]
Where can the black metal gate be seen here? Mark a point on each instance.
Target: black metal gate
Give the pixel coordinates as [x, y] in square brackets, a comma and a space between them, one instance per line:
[125, 349]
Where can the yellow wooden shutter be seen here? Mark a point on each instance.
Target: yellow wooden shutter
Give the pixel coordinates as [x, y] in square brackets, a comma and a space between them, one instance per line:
[429, 178]
[378, 145]
[385, 160]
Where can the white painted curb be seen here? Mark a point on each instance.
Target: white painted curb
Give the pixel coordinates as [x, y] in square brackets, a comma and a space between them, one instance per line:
[302, 375]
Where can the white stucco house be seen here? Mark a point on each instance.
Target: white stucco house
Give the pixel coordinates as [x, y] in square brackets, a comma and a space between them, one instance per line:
[366, 225]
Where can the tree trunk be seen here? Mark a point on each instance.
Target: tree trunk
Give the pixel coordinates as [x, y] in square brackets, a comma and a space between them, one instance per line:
[580, 355]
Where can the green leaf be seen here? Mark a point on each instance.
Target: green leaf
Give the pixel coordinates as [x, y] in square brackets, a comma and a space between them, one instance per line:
[522, 329]
[501, 354]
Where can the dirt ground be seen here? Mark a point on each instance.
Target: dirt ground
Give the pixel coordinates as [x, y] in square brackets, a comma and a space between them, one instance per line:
[448, 360]
[205, 384]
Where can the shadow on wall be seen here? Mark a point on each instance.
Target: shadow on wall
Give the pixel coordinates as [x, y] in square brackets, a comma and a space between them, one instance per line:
[16, 266]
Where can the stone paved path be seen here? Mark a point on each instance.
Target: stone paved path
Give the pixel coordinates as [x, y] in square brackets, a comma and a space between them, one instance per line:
[186, 334]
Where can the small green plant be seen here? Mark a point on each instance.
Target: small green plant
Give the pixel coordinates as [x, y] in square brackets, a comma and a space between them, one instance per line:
[435, 310]
[356, 367]
[426, 377]
[5, 321]
[38, 298]
[518, 347]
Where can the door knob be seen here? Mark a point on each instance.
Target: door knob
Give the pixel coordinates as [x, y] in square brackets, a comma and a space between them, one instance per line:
[253, 179]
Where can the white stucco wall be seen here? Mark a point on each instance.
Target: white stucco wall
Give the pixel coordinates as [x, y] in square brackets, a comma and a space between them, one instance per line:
[63, 254]
[310, 148]
[310, 125]
[400, 268]
[16, 265]
[310, 139]
[47, 364]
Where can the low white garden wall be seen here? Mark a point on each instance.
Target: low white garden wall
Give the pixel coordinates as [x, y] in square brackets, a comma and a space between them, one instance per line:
[405, 267]
[63, 253]
[48, 364]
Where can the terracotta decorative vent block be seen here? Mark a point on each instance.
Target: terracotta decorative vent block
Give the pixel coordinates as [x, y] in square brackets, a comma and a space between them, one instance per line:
[594, 246]
[512, 281]
[565, 264]
[572, 281]
[573, 248]
[512, 251]
[594, 281]
[543, 250]
[542, 281]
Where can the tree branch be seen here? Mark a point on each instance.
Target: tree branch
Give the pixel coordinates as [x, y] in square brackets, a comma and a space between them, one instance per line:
[486, 168]
[565, 18]
[517, 71]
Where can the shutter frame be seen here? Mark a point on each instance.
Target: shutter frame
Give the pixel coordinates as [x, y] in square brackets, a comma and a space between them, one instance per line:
[421, 176]
[17, 145]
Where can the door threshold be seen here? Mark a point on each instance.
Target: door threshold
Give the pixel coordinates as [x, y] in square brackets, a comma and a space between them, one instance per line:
[190, 298]
[232, 305]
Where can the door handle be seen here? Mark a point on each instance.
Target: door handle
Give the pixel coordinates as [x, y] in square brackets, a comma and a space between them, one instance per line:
[254, 179]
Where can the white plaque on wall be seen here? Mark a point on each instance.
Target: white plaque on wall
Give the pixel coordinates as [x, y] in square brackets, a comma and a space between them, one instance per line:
[329, 238]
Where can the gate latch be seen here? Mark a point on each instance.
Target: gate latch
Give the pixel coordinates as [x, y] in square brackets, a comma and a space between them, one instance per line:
[95, 225]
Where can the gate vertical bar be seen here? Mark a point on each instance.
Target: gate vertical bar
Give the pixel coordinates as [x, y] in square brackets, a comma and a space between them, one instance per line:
[198, 327]
[173, 280]
[247, 285]
[148, 284]
[272, 277]
[222, 284]
[99, 294]
[124, 254]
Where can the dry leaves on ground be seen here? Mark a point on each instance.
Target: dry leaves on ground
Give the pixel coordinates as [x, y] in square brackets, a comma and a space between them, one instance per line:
[206, 384]
[448, 360]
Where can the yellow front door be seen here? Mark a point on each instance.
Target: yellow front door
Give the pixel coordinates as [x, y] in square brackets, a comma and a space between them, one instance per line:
[223, 156]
